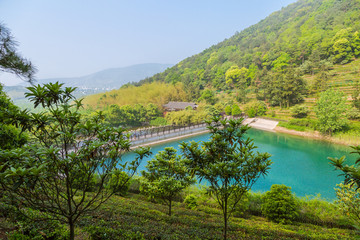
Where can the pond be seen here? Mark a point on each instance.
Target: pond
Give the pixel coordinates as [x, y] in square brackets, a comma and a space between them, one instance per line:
[298, 162]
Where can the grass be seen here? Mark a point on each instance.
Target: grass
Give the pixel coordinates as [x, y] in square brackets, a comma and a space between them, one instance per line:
[134, 217]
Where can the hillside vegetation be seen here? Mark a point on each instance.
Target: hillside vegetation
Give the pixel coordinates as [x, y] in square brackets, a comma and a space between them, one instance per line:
[304, 33]
[156, 93]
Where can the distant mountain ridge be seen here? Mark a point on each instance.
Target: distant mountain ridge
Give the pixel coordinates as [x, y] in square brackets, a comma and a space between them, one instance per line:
[112, 78]
[97, 82]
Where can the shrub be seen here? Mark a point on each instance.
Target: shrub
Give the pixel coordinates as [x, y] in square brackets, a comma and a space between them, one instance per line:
[159, 121]
[134, 185]
[27, 228]
[349, 202]
[235, 110]
[228, 110]
[119, 182]
[299, 111]
[191, 201]
[255, 203]
[242, 207]
[279, 204]
[254, 109]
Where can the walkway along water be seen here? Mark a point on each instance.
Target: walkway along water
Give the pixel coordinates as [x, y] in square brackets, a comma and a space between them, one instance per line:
[156, 135]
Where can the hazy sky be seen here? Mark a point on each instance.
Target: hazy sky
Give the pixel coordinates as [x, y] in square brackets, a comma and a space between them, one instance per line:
[69, 38]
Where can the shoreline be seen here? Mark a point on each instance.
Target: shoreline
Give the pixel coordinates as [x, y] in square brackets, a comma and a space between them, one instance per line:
[314, 135]
[261, 124]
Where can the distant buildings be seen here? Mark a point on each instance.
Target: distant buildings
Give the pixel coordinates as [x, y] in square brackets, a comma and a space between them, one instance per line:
[178, 106]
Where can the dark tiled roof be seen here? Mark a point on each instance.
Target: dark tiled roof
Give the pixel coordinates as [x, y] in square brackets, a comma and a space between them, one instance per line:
[179, 105]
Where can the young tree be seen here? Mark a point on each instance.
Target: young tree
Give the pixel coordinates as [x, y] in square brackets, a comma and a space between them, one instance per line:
[166, 176]
[55, 172]
[330, 110]
[227, 162]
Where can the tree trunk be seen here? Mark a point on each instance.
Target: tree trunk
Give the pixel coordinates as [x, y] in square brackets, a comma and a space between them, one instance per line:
[72, 229]
[225, 219]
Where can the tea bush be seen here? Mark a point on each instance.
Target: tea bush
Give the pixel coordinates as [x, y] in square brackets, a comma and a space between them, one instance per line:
[191, 201]
[279, 204]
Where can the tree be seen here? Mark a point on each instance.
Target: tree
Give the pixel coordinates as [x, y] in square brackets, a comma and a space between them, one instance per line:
[236, 77]
[299, 111]
[55, 172]
[208, 96]
[166, 176]
[227, 162]
[10, 60]
[330, 110]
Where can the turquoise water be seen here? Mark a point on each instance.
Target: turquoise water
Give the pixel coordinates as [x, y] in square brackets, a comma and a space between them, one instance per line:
[298, 162]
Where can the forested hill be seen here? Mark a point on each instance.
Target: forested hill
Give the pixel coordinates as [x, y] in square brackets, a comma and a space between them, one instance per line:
[309, 35]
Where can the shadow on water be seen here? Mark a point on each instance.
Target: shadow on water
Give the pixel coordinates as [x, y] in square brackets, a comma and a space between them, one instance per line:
[298, 162]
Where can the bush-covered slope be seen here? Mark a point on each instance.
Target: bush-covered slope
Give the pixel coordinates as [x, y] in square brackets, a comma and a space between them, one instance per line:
[307, 34]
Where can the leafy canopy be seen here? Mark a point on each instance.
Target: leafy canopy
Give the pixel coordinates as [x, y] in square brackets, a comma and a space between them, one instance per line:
[227, 162]
[165, 176]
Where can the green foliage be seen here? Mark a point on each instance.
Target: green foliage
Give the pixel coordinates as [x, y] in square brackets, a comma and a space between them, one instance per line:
[317, 211]
[208, 96]
[159, 121]
[353, 113]
[309, 34]
[279, 204]
[131, 115]
[25, 226]
[351, 172]
[102, 232]
[299, 111]
[254, 109]
[227, 162]
[284, 88]
[228, 110]
[54, 173]
[10, 60]
[10, 135]
[349, 202]
[166, 176]
[235, 111]
[119, 182]
[156, 93]
[186, 117]
[191, 201]
[330, 110]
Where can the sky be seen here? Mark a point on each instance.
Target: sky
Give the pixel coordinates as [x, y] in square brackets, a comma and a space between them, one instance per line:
[72, 38]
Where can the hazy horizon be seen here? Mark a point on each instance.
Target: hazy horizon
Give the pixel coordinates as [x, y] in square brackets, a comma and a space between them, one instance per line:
[72, 39]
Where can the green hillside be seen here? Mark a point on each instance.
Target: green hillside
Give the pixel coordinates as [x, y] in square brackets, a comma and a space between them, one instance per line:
[305, 36]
